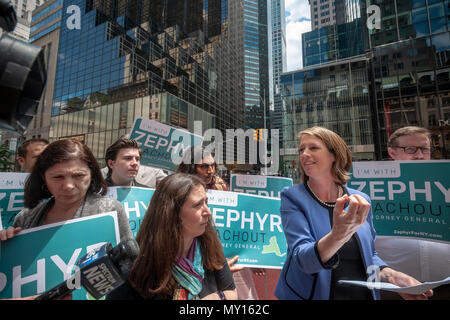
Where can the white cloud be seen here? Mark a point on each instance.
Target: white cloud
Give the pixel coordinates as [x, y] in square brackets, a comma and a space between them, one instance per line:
[298, 17]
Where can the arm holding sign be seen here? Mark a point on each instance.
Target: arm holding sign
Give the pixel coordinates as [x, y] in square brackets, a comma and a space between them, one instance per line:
[66, 183]
[9, 233]
[232, 262]
[96, 204]
[92, 204]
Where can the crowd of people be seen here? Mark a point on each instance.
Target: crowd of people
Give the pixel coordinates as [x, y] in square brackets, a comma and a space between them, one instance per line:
[328, 226]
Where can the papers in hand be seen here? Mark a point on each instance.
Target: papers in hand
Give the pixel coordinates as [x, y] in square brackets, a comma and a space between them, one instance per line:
[418, 289]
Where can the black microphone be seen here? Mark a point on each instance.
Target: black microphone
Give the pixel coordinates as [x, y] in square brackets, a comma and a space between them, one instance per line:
[100, 271]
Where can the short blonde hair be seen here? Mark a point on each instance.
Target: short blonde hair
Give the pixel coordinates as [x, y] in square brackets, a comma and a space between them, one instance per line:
[337, 146]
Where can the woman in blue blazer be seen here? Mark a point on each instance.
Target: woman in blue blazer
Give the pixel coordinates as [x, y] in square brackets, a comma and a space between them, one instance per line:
[329, 229]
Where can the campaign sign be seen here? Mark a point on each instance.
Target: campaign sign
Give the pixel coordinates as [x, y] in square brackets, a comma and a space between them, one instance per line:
[409, 198]
[37, 259]
[135, 201]
[267, 186]
[249, 226]
[11, 196]
[162, 145]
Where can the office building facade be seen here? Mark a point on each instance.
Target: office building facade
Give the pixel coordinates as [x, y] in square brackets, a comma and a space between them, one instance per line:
[323, 13]
[45, 31]
[346, 37]
[405, 81]
[250, 19]
[278, 62]
[173, 64]
[410, 71]
[333, 95]
[23, 9]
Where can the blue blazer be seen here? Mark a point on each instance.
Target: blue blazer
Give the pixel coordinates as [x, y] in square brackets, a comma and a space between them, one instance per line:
[305, 222]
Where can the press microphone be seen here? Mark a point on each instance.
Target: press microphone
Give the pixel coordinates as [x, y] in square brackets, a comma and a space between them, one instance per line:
[100, 271]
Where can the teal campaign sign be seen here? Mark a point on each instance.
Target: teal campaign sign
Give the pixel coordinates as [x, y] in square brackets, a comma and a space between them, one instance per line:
[268, 186]
[162, 145]
[37, 259]
[135, 201]
[11, 196]
[247, 225]
[409, 198]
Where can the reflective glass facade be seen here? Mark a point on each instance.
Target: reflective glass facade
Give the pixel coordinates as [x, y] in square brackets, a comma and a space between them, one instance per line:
[46, 36]
[344, 39]
[256, 62]
[335, 96]
[411, 71]
[405, 79]
[123, 51]
[323, 13]
[100, 125]
[278, 61]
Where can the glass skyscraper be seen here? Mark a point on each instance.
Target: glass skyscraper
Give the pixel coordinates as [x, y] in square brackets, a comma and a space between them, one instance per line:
[45, 30]
[254, 42]
[333, 95]
[410, 71]
[372, 79]
[278, 60]
[345, 38]
[323, 13]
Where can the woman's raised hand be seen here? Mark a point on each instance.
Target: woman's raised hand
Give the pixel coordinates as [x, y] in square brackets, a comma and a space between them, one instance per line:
[346, 223]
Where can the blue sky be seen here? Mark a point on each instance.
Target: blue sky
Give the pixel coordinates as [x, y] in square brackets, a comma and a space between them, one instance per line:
[298, 21]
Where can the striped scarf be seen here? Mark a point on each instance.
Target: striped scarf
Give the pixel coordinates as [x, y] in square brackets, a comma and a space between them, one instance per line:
[188, 272]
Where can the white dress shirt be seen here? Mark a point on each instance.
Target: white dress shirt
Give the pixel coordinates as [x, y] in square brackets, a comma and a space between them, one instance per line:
[422, 259]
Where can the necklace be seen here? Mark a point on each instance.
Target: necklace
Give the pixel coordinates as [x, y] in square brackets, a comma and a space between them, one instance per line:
[323, 202]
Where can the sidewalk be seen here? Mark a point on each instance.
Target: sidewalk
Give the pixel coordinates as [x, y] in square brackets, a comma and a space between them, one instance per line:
[265, 285]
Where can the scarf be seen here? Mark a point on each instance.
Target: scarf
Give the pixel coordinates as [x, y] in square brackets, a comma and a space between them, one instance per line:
[188, 272]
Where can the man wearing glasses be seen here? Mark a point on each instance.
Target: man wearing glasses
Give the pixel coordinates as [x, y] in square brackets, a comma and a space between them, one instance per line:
[423, 260]
[410, 143]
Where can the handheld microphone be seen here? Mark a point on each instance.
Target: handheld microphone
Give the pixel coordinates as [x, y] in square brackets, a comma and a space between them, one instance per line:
[101, 271]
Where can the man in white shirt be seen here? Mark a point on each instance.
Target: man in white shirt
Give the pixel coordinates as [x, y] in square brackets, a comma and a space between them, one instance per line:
[422, 259]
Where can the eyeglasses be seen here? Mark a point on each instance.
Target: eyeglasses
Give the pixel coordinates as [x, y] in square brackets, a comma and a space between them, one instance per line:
[413, 150]
[206, 165]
